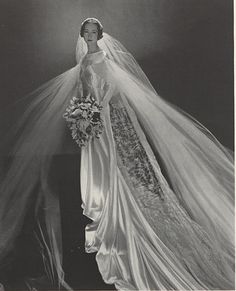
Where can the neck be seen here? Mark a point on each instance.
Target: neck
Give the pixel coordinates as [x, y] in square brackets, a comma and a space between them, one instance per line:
[92, 48]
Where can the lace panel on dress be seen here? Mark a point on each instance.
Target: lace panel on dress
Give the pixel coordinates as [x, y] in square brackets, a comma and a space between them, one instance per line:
[161, 208]
[132, 154]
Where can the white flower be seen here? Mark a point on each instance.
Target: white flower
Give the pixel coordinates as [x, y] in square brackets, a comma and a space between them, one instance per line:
[84, 114]
[76, 112]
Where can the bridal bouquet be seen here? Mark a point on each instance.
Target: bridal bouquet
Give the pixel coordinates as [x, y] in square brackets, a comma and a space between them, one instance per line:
[84, 119]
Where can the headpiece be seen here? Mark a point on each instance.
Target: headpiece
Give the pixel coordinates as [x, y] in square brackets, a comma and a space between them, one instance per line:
[95, 21]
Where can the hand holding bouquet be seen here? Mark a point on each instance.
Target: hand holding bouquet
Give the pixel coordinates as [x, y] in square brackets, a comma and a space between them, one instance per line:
[84, 119]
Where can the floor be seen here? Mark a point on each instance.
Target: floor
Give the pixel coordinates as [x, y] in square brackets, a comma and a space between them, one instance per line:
[23, 268]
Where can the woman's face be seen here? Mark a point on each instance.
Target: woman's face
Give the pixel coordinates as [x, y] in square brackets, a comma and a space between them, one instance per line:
[90, 33]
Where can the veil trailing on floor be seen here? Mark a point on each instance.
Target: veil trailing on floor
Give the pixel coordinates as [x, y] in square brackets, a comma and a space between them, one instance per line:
[199, 168]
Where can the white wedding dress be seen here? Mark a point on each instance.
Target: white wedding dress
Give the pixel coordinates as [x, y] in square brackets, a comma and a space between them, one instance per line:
[151, 230]
[144, 237]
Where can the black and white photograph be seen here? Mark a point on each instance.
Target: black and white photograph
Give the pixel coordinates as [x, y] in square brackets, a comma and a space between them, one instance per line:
[117, 145]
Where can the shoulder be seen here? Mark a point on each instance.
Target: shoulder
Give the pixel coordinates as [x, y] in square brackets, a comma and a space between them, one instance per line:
[96, 57]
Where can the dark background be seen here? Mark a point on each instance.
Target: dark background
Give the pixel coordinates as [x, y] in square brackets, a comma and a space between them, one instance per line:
[184, 46]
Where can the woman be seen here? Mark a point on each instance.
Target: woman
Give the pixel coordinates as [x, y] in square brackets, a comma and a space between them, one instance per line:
[148, 234]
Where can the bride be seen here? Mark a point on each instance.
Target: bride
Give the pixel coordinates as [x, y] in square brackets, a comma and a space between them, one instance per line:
[148, 233]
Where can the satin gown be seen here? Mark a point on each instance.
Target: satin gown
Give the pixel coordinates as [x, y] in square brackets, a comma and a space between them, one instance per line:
[143, 236]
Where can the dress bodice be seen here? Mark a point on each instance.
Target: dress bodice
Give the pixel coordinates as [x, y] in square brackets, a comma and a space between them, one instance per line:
[91, 74]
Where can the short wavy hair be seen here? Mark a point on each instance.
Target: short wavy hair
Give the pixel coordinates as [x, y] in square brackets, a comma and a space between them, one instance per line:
[95, 21]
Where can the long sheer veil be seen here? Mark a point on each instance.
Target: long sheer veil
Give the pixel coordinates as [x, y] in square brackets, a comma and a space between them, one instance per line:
[199, 168]
[27, 150]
